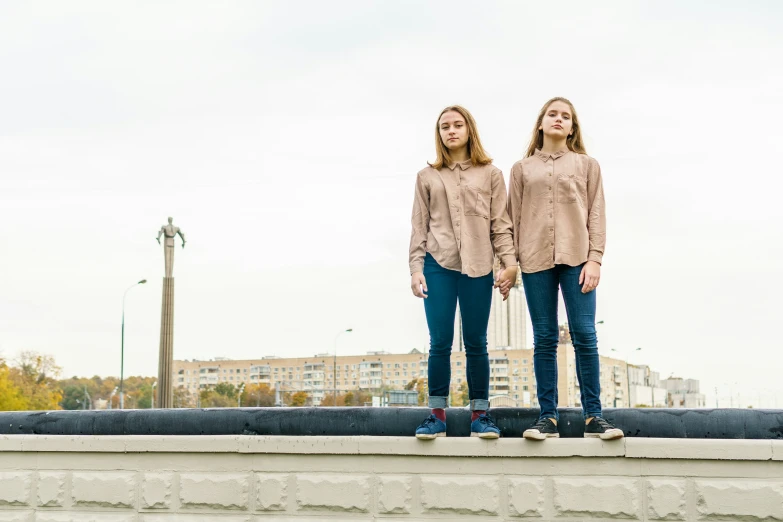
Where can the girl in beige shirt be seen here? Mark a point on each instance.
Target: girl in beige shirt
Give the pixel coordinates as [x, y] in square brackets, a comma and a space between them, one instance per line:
[556, 204]
[459, 224]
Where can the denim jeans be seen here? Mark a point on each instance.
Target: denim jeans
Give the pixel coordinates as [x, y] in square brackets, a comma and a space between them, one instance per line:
[542, 302]
[445, 288]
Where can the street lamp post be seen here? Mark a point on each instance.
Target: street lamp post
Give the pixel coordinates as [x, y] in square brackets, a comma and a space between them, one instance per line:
[152, 398]
[334, 369]
[628, 376]
[122, 343]
[113, 393]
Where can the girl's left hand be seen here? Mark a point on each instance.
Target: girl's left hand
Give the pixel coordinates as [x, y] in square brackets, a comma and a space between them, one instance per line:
[506, 279]
[591, 274]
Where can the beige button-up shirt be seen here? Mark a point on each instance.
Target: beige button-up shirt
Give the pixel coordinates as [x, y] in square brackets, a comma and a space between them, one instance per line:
[556, 204]
[460, 218]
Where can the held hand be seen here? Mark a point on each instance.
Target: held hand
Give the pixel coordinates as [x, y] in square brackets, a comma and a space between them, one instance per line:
[419, 285]
[590, 276]
[505, 280]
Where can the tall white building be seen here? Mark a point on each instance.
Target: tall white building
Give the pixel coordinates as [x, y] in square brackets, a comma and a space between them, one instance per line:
[507, 327]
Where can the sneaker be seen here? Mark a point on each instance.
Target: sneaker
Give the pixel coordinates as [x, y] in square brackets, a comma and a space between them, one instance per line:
[431, 427]
[543, 428]
[484, 428]
[599, 428]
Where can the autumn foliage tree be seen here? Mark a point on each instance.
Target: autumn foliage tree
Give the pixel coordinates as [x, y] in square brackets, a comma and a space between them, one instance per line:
[29, 383]
[258, 395]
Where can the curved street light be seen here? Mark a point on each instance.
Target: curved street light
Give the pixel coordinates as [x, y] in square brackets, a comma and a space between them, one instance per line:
[122, 343]
[334, 369]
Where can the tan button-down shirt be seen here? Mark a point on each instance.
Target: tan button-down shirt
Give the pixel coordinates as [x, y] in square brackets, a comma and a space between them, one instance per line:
[460, 218]
[556, 204]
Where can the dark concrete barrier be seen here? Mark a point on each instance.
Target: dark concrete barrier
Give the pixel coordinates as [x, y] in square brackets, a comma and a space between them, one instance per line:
[658, 423]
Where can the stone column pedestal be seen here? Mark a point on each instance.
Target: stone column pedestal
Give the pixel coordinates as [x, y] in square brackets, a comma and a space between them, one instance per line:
[165, 388]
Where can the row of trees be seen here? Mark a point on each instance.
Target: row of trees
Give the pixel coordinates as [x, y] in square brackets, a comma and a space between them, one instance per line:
[31, 382]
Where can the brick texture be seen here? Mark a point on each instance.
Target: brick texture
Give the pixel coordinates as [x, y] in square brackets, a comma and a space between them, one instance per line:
[394, 495]
[51, 489]
[666, 499]
[156, 490]
[333, 492]
[742, 500]
[408, 480]
[272, 492]
[15, 488]
[104, 489]
[597, 497]
[214, 491]
[525, 497]
[462, 495]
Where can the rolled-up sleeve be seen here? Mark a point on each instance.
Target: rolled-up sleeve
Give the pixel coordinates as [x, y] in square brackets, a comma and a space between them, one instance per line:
[420, 220]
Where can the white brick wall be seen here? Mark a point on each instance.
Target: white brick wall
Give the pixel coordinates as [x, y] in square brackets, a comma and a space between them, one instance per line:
[302, 479]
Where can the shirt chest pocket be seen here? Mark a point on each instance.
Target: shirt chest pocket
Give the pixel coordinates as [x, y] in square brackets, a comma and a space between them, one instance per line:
[476, 202]
[567, 188]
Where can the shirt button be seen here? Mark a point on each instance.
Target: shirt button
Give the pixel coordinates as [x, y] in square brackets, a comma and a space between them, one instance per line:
[550, 201]
[550, 188]
[550, 173]
[457, 210]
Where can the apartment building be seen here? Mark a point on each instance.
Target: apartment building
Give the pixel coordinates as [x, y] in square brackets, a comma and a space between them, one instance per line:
[511, 373]
[511, 376]
[683, 393]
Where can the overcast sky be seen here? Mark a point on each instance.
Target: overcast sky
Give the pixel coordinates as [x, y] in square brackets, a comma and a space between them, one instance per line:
[284, 139]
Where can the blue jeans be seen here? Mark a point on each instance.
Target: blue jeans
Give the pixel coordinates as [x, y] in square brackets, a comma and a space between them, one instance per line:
[445, 288]
[541, 294]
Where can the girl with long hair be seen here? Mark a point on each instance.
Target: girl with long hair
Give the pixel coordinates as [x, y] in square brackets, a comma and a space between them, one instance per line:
[459, 224]
[556, 205]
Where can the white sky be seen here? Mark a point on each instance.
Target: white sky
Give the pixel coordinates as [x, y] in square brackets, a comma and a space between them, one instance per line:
[284, 138]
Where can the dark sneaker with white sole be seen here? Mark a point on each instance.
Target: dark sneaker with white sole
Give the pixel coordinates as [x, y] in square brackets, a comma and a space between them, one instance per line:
[431, 428]
[543, 429]
[484, 428]
[599, 428]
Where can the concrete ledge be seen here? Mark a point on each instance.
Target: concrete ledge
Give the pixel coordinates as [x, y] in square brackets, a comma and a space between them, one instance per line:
[207, 478]
[670, 449]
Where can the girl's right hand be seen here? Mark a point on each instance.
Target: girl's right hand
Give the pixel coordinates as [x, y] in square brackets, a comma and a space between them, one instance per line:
[419, 285]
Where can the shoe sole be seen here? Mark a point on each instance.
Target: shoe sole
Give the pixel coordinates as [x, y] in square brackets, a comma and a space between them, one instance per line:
[540, 436]
[424, 436]
[608, 435]
[489, 435]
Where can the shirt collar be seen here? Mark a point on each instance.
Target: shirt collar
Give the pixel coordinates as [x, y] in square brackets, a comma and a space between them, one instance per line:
[545, 156]
[462, 164]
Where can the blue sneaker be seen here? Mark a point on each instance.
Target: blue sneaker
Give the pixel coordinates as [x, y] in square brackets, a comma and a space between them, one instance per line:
[484, 428]
[431, 427]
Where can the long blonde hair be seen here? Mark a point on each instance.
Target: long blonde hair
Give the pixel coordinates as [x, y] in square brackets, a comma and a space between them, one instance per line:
[574, 142]
[476, 152]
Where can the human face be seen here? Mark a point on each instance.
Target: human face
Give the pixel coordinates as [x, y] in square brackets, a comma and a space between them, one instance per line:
[453, 130]
[557, 122]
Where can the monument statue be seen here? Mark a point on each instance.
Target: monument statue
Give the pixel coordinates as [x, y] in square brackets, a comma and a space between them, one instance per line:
[169, 232]
[166, 358]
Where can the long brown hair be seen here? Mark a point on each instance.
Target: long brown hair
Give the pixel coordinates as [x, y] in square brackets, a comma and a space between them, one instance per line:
[476, 152]
[574, 141]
